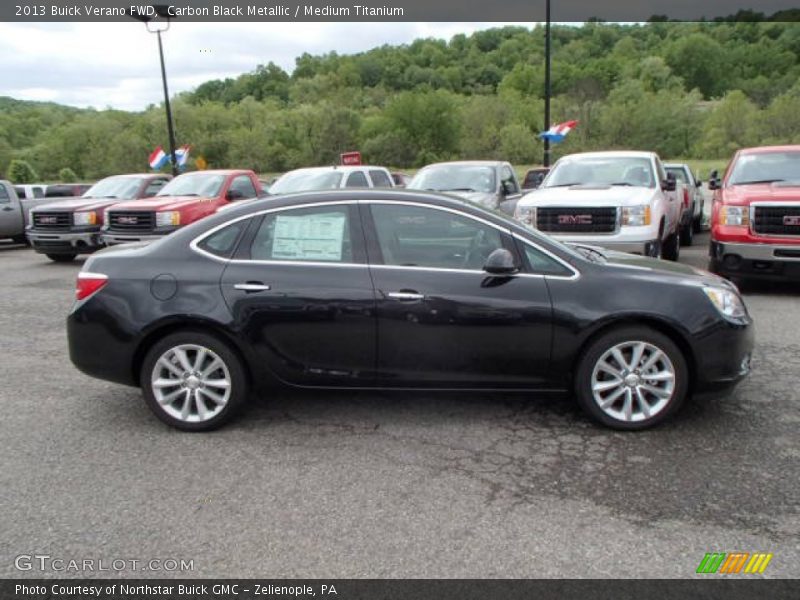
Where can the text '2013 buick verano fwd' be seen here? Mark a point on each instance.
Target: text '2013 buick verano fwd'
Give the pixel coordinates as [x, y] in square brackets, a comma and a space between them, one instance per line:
[399, 290]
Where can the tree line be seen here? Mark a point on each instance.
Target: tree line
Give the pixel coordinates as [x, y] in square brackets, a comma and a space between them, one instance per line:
[692, 90]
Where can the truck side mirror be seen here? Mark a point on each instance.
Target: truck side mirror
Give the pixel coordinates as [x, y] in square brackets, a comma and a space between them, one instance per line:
[713, 180]
[233, 195]
[670, 184]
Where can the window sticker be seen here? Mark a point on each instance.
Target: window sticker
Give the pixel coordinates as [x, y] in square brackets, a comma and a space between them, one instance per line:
[309, 237]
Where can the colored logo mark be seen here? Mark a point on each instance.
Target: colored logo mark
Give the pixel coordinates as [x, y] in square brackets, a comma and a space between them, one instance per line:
[734, 562]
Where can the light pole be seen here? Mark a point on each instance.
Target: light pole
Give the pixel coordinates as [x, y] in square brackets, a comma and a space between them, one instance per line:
[547, 89]
[163, 12]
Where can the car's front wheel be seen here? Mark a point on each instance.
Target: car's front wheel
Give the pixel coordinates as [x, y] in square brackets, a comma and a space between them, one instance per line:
[631, 378]
[61, 257]
[193, 381]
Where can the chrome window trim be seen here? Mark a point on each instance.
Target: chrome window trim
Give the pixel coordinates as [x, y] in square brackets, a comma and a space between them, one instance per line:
[194, 243]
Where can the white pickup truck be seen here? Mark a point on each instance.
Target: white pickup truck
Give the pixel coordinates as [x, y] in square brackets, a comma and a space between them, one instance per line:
[622, 201]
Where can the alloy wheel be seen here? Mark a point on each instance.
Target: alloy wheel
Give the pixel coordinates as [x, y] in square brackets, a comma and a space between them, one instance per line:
[633, 381]
[191, 383]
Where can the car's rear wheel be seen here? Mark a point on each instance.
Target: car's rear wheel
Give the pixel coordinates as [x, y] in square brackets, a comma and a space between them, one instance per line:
[672, 248]
[631, 378]
[61, 257]
[193, 381]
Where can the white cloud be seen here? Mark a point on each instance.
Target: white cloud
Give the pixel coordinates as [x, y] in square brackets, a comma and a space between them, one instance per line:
[116, 64]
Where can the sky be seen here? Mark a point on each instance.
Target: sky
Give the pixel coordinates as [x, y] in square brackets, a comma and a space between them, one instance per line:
[115, 65]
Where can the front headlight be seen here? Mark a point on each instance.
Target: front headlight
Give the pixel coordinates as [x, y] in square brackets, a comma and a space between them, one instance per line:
[734, 215]
[85, 218]
[168, 218]
[636, 216]
[526, 214]
[727, 302]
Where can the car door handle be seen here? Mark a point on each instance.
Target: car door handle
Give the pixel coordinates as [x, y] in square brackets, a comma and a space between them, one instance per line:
[7, 208]
[406, 296]
[252, 286]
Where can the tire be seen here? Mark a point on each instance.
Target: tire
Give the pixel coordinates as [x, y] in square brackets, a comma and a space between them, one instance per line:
[697, 224]
[196, 405]
[687, 234]
[672, 248]
[61, 258]
[627, 340]
[21, 239]
[656, 251]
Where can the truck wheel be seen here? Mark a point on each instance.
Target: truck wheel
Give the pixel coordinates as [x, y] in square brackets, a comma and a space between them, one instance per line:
[631, 378]
[21, 239]
[687, 234]
[698, 224]
[672, 247]
[61, 257]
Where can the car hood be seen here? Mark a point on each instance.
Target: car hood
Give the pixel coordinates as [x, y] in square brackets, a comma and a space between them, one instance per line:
[484, 199]
[658, 268]
[79, 203]
[771, 192]
[586, 196]
[161, 203]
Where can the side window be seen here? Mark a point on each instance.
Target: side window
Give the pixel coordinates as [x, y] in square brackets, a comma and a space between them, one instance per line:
[380, 178]
[153, 187]
[38, 192]
[660, 172]
[222, 243]
[425, 237]
[244, 186]
[318, 234]
[541, 263]
[508, 181]
[357, 179]
[4, 199]
[20, 192]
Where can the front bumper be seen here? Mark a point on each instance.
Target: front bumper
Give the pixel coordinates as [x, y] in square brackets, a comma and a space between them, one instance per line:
[111, 238]
[644, 248]
[723, 356]
[773, 261]
[50, 242]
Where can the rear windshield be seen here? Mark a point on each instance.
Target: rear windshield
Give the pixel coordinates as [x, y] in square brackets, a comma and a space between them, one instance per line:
[306, 181]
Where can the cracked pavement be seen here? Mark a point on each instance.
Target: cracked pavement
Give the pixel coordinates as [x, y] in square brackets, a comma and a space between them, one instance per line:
[343, 484]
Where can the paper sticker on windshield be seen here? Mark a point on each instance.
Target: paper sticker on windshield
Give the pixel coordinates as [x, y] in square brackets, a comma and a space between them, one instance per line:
[309, 237]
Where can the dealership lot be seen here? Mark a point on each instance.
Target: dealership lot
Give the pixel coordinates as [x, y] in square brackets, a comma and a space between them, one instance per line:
[387, 484]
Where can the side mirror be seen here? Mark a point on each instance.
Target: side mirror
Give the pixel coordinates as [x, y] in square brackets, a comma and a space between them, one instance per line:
[713, 180]
[670, 184]
[233, 195]
[500, 262]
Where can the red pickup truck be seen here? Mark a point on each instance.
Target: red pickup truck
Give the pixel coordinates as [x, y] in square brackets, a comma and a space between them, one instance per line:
[755, 220]
[185, 199]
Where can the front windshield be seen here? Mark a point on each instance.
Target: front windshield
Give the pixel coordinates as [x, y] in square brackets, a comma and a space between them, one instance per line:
[115, 187]
[455, 178]
[207, 185]
[306, 181]
[605, 170]
[766, 167]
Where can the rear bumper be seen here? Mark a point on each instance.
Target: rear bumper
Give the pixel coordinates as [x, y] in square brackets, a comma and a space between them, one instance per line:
[49, 242]
[774, 261]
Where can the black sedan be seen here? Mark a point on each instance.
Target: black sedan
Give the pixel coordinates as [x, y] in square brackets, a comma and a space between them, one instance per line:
[399, 290]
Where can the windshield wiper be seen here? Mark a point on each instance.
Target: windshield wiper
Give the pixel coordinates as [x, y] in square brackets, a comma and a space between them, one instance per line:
[625, 183]
[592, 254]
[461, 190]
[565, 184]
[755, 181]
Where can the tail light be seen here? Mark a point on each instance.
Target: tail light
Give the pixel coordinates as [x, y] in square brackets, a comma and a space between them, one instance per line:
[88, 284]
[686, 197]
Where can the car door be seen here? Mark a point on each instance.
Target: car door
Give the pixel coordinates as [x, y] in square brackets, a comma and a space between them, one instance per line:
[300, 293]
[442, 321]
[11, 217]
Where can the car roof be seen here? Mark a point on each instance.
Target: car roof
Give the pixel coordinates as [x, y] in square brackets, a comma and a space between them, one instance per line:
[675, 166]
[343, 168]
[612, 153]
[468, 163]
[766, 149]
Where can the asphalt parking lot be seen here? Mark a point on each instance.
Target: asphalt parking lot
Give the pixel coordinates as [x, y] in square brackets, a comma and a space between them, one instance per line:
[388, 485]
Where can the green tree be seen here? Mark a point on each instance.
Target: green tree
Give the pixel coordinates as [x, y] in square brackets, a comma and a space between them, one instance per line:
[67, 175]
[20, 171]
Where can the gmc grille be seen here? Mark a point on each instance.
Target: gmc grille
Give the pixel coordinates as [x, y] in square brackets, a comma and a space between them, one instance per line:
[576, 220]
[131, 220]
[52, 220]
[777, 220]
